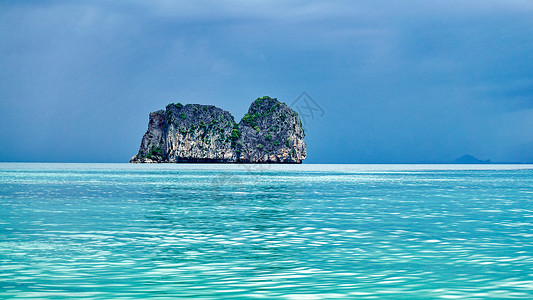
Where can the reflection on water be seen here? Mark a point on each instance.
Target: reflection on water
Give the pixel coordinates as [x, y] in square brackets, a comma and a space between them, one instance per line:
[122, 231]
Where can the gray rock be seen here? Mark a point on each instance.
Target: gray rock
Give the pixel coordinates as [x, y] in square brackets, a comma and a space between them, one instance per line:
[271, 132]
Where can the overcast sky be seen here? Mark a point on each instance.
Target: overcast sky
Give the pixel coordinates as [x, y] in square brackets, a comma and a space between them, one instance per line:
[398, 81]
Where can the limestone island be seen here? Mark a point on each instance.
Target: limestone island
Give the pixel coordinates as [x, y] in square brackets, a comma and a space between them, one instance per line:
[271, 132]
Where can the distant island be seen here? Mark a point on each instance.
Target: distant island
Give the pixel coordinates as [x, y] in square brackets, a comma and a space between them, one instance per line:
[271, 132]
[469, 159]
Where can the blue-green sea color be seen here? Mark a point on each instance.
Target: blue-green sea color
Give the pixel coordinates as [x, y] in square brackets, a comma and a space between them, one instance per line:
[203, 231]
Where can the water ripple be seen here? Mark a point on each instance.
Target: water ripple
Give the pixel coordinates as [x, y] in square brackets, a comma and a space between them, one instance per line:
[122, 231]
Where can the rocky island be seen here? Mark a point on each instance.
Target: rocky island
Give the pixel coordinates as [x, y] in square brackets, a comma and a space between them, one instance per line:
[469, 159]
[271, 132]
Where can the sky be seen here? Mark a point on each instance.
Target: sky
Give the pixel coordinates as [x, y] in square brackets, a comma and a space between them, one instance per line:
[390, 81]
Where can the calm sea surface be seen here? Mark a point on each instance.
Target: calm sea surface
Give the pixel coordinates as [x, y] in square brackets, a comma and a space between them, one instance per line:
[259, 231]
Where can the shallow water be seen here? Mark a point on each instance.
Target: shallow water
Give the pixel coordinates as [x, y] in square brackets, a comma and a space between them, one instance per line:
[290, 232]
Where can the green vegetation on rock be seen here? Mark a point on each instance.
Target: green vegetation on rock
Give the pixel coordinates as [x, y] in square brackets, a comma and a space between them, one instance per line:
[154, 153]
[251, 119]
[235, 132]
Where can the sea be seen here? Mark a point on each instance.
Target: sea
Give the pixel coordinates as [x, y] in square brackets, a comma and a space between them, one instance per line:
[231, 231]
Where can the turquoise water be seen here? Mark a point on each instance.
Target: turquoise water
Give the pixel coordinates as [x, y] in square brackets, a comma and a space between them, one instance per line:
[259, 231]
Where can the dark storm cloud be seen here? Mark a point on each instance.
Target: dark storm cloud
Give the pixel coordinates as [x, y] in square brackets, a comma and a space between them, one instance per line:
[399, 82]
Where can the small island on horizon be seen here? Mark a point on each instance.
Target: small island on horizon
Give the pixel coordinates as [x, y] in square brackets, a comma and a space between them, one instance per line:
[469, 159]
[270, 132]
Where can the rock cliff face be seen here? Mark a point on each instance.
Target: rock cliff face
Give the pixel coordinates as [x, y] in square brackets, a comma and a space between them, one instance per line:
[270, 132]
